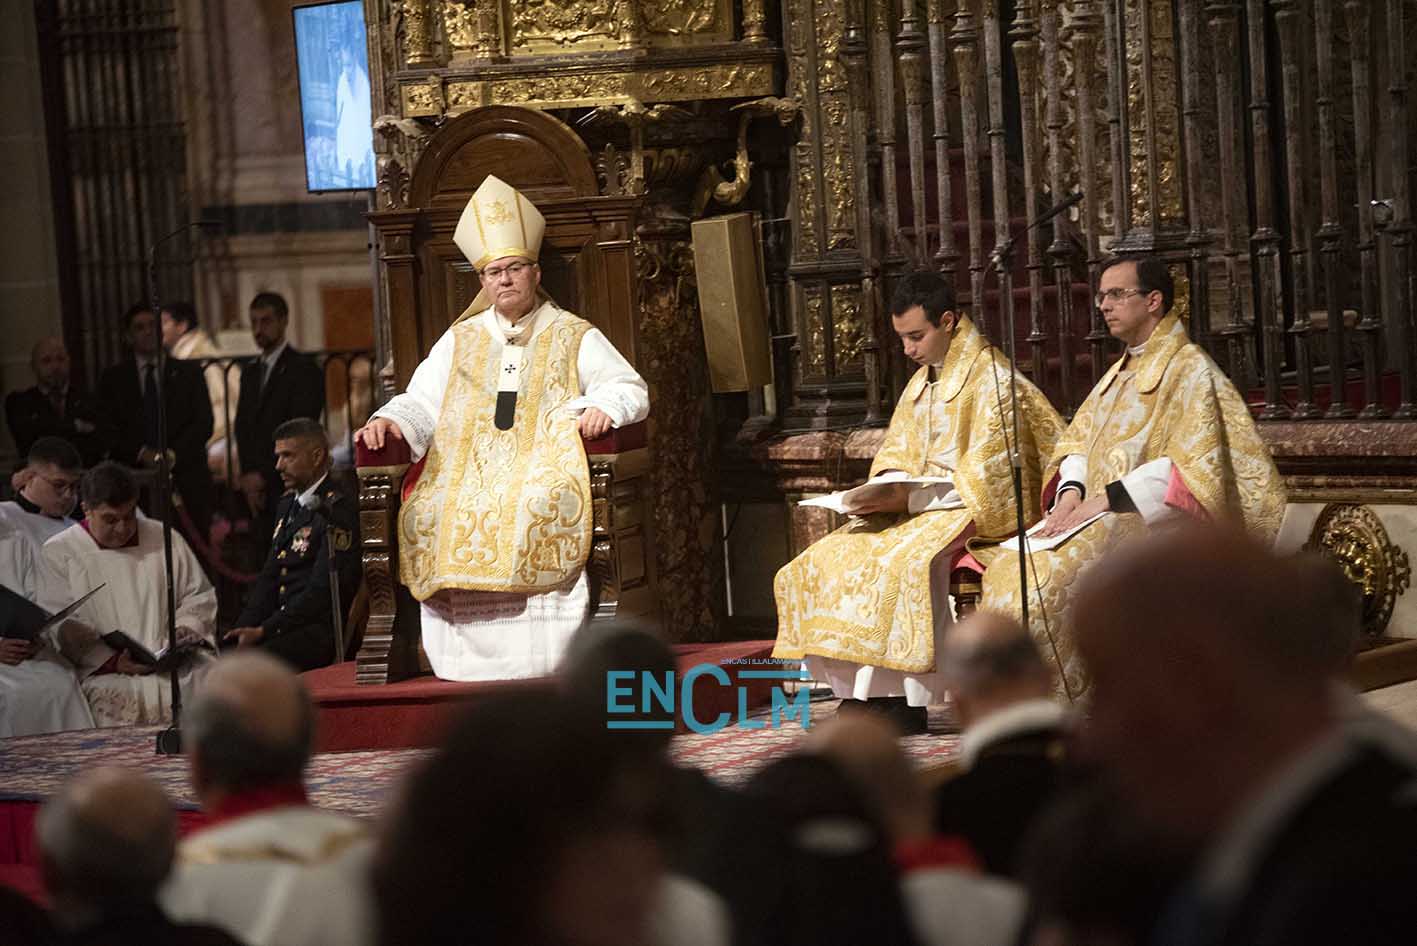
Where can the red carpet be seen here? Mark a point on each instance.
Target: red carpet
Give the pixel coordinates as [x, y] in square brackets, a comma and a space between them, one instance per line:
[415, 713]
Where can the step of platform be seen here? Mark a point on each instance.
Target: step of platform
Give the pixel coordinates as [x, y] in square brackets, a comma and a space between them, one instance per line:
[415, 713]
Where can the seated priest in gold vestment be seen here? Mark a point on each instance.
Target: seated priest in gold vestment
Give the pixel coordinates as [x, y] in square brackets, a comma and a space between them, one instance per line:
[867, 605]
[494, 538]
[1164, 435]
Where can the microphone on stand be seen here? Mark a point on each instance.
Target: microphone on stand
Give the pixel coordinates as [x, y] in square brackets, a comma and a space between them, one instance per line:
[1002, 260]
[169, 740]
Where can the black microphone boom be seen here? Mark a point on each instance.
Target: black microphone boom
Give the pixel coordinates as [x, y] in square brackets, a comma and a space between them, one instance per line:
[1002, 262]
[169, 741]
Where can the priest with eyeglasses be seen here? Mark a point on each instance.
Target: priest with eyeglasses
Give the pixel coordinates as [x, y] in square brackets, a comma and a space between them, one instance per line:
[1163, 437]
[494, 538]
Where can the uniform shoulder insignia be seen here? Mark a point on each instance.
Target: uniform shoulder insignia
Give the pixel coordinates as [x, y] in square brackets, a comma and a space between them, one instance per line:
[341, 539]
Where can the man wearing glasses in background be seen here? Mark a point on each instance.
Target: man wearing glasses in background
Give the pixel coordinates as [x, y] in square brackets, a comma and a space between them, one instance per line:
[47, 489]
[1163, 435]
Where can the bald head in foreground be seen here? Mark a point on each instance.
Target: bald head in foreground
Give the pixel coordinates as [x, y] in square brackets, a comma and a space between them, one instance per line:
[1012, 748]
[272, 870]
[1212, 708]
[251, 725]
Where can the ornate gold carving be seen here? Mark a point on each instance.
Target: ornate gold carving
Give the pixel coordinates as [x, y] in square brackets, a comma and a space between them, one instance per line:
[838, 163]
[813, 334]
[403, 143]
[731, 191]
[634, 115]
[722, 81]
[555, 25]
[465, 95]
[1354, 537]
[682, 17]
[1165, 113]
[423, 100]
[473, 28]
[846, 326]
[683, 488]
[563, 91]
[754, 20]
[799, 27]
[413, 16]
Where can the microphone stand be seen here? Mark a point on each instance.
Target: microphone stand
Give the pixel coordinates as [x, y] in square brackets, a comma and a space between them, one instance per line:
[169, 740]
[1002, 261]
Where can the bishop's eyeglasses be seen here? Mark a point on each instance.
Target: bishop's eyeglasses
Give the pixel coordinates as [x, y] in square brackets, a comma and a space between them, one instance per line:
[494, 273]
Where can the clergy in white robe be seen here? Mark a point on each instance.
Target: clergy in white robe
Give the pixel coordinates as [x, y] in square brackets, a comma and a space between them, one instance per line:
[494, 538]
[115, 548]
[39, 692]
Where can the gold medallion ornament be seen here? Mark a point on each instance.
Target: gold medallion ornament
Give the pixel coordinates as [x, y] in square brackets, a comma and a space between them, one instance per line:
[1354, 538]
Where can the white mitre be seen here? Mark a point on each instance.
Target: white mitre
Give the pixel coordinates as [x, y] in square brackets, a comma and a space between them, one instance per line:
[497, 222]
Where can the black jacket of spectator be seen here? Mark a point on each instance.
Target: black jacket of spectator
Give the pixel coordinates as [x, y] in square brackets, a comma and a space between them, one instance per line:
[145, 925]
[290, 599]
[296, 388]
[189, 425]
[995, 802]
[31, 416]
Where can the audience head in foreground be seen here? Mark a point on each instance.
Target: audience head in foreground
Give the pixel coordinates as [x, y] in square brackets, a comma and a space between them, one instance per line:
[250, 727]
[616, 659]
[866, 747]
[524, 828]
[106, 842]
[1211, 674]
[990, 663]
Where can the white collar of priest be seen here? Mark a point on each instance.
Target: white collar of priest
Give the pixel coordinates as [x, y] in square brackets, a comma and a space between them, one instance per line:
[307, 498]
[1007, 722]
[521, 331]
[1136, 350]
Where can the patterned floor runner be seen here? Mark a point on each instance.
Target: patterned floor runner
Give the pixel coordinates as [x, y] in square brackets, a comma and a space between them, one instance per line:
[361, 783]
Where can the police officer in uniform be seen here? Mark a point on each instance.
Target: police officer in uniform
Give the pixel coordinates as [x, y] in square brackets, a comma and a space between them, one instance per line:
[288, 609]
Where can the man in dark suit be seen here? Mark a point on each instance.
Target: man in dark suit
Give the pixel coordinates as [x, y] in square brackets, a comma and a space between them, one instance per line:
[1214, 710]
[1012, 746]
[280, 384]
[129, 392]
[288, 609]
[55, 407]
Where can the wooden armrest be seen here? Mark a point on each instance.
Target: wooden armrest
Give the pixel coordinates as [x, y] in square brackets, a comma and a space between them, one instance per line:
[395, 453]
[619, 440]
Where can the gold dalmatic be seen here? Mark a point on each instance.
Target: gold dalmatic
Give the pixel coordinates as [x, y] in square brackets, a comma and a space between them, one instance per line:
[862, 593]
[1170, 401]
[502, 510]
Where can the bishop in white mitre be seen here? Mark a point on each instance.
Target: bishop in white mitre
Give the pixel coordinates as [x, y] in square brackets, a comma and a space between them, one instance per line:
[38, 690]
[494, 538]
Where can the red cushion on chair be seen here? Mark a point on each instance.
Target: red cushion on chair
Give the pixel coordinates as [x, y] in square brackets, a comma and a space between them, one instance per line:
[619, 440]
[395, 453]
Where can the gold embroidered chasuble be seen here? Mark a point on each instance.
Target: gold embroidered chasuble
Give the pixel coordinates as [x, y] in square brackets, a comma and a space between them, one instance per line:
[502, 510]
[1170, 401]
[862, 593]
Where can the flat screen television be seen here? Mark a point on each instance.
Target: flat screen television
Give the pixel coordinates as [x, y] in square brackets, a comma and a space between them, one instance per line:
[332, 62]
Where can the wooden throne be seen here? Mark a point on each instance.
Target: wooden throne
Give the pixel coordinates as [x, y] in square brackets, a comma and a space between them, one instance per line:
[588, 267]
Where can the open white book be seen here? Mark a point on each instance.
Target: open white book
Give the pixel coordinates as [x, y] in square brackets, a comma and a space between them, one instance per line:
[848, 501]
[1037, 543]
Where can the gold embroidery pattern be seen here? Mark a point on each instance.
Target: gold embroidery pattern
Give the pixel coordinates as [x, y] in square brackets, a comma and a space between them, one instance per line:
[863, 592]
[1171, 401]
[502, 510]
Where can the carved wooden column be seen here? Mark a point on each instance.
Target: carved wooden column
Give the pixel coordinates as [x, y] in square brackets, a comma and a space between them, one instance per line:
[1059, 251]
[947, 256]
[1265, 240]
[1225, 25]
[1024, 34]
[1287, 18]
[964, 41]
[384, 656]
[826, 269]
[1370, 324]
[1401, 226]
[855, 48]
[1085, 27]
[910, 48]
[1198, 167]
[1331, 230]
